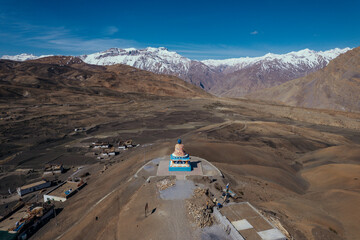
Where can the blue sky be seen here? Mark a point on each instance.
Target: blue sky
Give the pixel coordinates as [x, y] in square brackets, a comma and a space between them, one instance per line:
[195, 29]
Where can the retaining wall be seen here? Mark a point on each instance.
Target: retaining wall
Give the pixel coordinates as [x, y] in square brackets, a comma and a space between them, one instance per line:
[234, 234]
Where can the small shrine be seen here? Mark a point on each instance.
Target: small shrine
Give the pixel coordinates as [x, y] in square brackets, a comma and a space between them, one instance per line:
[179, 159]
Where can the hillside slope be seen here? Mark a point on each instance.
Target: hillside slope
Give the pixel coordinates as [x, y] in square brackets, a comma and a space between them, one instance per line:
[242, 76]
[335, 87]
[59, 73]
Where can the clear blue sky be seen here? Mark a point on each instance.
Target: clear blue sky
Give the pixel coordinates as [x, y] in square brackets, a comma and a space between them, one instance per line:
[195, 29]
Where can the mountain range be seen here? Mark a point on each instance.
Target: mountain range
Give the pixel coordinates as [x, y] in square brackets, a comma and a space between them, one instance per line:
[336, 86]
[234, 77]
[22, 57]
[242, 76]
[157, 60]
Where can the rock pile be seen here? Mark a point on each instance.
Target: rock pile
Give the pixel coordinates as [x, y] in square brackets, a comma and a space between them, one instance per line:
[199, 192]
[164, 184]
[197, 208]
[200, 215]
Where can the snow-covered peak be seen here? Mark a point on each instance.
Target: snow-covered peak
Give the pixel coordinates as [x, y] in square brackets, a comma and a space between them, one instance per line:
[129, 49]
[23, 57]
[160, 49]
[333, 53]
[159, 60]
[303, 57]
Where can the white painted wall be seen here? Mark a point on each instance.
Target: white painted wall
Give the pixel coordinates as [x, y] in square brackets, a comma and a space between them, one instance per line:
[53, 198]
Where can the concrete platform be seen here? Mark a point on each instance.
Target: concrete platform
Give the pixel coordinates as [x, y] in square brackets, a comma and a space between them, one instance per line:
[163, 169]
[248, 222]
[160, 167]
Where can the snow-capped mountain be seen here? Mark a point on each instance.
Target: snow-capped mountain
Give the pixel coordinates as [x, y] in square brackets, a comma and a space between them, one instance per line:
[230, 77]
[233, 77]
[242, 76]
[336, 86]
[157, 60]
[302, 59]
[23, 57]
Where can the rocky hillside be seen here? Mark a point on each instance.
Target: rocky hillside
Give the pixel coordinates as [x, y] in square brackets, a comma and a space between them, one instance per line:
[42, 77]
[336, 86]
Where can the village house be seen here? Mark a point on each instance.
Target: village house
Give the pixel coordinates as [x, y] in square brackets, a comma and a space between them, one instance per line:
[63, 191]
[32, 187]
[53, 169]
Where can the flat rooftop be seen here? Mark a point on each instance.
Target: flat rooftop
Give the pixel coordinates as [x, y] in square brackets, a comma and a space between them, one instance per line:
[60, 191]
[10, 222]
[32, 185]
[250, 223]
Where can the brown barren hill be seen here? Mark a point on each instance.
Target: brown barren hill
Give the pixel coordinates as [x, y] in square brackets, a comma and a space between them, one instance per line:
[62, 73]
[334, 87]
[254, 78]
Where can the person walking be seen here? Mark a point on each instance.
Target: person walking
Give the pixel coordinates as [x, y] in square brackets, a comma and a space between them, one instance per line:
[146, 209]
